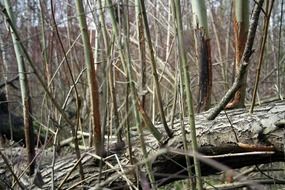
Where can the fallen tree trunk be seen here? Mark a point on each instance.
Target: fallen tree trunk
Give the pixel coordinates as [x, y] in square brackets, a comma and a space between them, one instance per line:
[232, 140]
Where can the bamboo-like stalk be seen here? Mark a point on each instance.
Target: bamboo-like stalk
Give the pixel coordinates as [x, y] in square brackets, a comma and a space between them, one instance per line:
[102, 27]
[125, 59]
[167, 50]
[189, 101]
[25, 94]
[46, 63]
[111, 78]
[113, 93]
[153, 66]
[54, 159]
[173, 109]
[114, 115]
[228, 41]
[262, 48]
[73, 129]
[43, 43]
[142, 56]
[155, 98]
[47, 72]
[219, 49]
[280, 78]
[92, 81]
[110, 72]
[191, 181]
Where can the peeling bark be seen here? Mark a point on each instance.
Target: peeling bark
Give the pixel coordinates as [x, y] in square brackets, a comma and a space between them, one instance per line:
[205, 72]
[240, 38]
[244, 62]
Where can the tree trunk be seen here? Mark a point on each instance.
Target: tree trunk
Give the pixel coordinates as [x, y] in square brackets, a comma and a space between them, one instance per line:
[92, 81]
[25, 94]
[203, 53]
[241, 26]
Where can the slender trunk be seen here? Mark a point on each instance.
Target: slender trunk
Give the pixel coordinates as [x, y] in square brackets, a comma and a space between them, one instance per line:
[125, 58]
[142, 56]
[92, 81]
[269, 6]
[25, 95]
[280, 78]
[229, 31]
[189, 100]
[154, 72]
